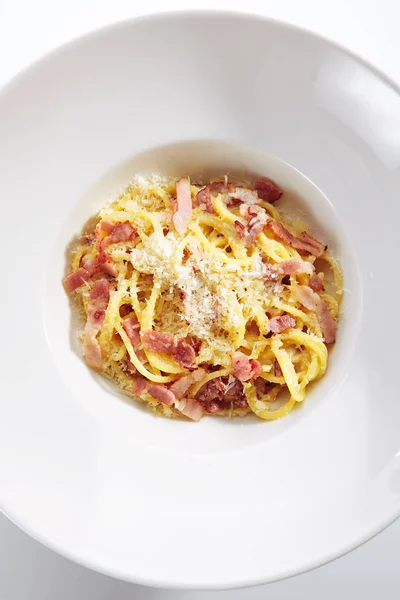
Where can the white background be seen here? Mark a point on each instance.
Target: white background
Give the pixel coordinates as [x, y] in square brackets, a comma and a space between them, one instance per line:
[30, 28]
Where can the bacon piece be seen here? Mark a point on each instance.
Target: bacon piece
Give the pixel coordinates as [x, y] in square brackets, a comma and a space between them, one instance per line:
[312, 301]
[304, 242]
[222, 393]
[312, 245]
[213, 390]
[187, 406]
[241, 366]
[244, 367]
[190, 408]
[316, 283]
[165, 343]
[158, 341]
[204, 200]
[267, 190]
[132, 330]
[306, 296]
[280, 324]
[161, 393]
[240, 229]
[104, 261]
[247, 196]
[256, 368]
[106, 226]
[234, 394]
[141, 385]
[91, 265]
[326, 321]
[262, 387]
[222, 187]
[256, 218]
[109, 267]
[231, 201]
[184, 354]
[183, 210]
[122, 232]
[295, 267]
[75, 279]
[98, 301]
[181, 385]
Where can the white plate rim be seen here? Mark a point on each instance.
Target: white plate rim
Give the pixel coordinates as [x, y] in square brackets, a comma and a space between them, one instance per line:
[375, 529]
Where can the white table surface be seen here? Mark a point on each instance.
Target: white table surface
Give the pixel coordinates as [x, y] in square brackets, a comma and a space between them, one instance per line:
[30, 28]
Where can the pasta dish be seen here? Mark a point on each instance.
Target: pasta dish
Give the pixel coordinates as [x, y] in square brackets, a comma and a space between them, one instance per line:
[203, 298]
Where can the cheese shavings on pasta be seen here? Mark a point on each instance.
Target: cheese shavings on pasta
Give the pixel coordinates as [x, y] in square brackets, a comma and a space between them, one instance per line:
[203, 299]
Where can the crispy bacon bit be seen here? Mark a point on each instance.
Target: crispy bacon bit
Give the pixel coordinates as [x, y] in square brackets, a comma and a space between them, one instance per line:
[190, 408]
[132, 330]
[221, 187]
[158, 341]
[184, 354]
[304, 242]
[247, 196]
[280, 324]
[181, 385]
[183, 209]
[124, 310]
[240, 229]
[222, 393]
[165, 343]
[75, 279]
[312, 301]
[316, 283]
[98, 301]
[161, 393]
[253, 328]
[141, 385]
[231, 201]
[277, 369]
[267, 190]
[245, 368]
[295, 267]
[204, 200]
[263, 387]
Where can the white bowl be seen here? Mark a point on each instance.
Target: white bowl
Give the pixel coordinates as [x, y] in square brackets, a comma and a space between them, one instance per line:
[220, 503]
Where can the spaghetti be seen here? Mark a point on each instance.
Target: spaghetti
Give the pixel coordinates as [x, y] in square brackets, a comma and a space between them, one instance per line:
[202, 299]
